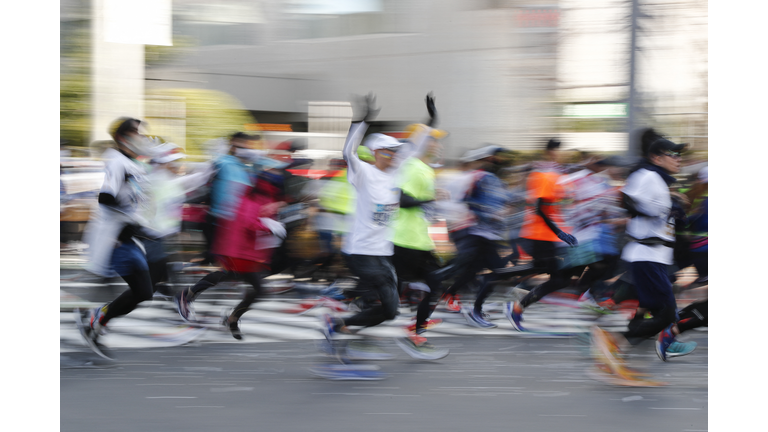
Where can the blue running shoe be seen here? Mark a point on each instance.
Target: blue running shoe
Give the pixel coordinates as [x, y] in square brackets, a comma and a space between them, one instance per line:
[514, 313]
[183, 307]
[477, 320]
[679, 349]
[666, 338]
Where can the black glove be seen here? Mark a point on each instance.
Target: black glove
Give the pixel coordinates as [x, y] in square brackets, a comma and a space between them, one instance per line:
[431, 110]
[564, 236]
[365, 109]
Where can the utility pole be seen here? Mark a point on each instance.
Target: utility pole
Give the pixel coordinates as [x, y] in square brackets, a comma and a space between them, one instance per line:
[631, 108]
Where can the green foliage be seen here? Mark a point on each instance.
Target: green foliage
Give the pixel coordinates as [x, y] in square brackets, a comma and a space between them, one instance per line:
[210, 114]
[158, 55]
[75, 86]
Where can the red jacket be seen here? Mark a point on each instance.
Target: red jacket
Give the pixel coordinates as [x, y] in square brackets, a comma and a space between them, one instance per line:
[238, 238]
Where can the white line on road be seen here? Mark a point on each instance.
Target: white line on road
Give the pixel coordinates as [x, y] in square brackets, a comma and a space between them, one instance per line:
[391, 413]
[203, 406]
[231, 389]
[171, 397]
[692, 409]
[365, 394]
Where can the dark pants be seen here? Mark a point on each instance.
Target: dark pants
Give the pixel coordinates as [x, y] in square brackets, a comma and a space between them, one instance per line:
[130, 263]
[215, 278]
[209, 232]
[547, 260]
[693, 316]
[654, 292]
[414, 265]
[376, 274]
[473, 253]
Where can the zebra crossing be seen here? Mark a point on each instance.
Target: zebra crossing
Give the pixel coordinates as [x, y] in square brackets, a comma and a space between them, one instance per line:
[156, 324]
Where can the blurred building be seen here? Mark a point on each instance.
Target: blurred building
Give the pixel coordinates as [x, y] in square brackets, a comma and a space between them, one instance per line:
[490, 64]
[510, 72]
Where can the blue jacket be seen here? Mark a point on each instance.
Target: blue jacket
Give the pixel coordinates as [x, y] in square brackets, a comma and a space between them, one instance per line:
[231, 181]
[487, 198]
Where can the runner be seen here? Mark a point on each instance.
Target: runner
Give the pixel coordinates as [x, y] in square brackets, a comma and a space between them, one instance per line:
[166, 194]
[477, 244]
[113, 234]
[229, 183]
[243, 247]
[414, 259]
[368, 247]
[647, 198]
[545, 230]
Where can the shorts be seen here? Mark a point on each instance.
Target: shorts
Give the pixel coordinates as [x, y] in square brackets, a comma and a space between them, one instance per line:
[128, 259]
[239, 265]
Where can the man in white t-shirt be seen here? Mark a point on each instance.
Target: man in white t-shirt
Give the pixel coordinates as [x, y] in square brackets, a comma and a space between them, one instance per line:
[113, 235]
[651, 230]
[368, 247]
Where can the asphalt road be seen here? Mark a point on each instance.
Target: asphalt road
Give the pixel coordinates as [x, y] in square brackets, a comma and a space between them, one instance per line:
[487, 383]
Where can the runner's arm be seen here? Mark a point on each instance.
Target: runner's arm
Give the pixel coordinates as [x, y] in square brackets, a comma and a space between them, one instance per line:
[354, 138]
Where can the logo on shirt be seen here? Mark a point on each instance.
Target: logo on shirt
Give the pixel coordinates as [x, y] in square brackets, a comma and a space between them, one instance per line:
[384, 213]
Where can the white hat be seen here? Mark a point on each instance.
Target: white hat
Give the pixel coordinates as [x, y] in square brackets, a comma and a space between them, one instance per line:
[481, 153]
[704, 175]
[379, 141]
[167, 152]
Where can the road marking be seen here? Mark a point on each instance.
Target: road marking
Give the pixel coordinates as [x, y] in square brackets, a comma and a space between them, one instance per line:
[202, 406]
[365, 394]
[391, 413]
[692, 409]
[171, 397]
[231, 389]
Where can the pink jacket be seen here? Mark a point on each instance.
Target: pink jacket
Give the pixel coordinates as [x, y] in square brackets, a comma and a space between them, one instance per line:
[237, 238]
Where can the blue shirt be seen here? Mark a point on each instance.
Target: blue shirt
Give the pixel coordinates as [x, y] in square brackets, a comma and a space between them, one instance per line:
[230, 183]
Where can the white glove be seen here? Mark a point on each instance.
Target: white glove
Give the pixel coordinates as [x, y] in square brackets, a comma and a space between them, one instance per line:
[275, 227]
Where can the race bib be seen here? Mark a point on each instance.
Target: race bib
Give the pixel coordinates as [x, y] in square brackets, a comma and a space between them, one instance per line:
[384, 213]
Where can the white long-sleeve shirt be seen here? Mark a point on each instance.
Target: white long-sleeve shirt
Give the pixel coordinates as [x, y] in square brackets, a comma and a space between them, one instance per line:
[378, 197]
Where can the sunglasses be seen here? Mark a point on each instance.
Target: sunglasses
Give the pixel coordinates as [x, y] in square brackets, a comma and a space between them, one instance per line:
[674, 155]
[387, 154]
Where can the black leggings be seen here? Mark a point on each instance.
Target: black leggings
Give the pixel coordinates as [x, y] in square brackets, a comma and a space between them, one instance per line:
[215, 278]
[641, 328]
[546, 260]
[419, 265]
[140, 289]
[693, 316]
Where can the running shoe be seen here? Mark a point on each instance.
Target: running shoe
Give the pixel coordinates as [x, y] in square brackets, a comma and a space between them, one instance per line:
[679, 349]
[665, 340]
[476, 319]
[452, 303]
[417, 347]
[95, 317]
[430, 324]
[234, 327]
[326, 328]
[514, 313]
[183, 305]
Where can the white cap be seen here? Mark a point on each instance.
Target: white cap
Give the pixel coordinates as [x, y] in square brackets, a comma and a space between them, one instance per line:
[481, 153]
[167, 152]
[379, 141]
[704, 175]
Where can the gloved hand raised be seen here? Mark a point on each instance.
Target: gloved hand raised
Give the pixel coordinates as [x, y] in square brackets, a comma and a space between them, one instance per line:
[431, 110]
[364, 108]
